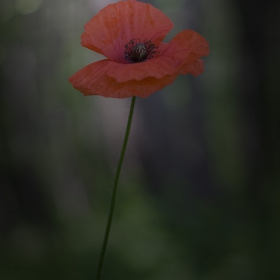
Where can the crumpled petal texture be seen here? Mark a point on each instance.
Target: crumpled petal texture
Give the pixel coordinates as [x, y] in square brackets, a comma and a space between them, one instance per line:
[184, 49]
[114, 26]
[93, 80]
[108, 33]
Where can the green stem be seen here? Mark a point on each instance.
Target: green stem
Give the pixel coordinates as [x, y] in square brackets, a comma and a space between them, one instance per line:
[113, 198]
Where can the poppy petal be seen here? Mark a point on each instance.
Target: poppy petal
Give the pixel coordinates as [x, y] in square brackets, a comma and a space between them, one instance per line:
[93, 80]
[157, 68]
[179, 56]
[187, 46]
[114, 26]
[196, 68]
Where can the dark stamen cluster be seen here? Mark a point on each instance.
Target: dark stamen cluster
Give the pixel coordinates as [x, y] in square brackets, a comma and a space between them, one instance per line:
[138, 51]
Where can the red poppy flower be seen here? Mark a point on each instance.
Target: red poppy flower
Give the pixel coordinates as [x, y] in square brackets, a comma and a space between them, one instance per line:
[129, 34]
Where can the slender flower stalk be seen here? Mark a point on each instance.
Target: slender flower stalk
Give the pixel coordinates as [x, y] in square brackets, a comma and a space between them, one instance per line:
[116, 180]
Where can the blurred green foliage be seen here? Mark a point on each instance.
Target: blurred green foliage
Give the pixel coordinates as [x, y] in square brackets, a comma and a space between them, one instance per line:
[199, 191]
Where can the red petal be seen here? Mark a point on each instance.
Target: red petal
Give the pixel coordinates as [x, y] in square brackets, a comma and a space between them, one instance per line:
[196, 68]
[114, 26]
[179, 56]
[187, 46]
[93, 80]
[156, 68]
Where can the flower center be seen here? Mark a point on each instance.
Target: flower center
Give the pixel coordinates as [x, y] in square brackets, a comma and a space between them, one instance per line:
[138, 51]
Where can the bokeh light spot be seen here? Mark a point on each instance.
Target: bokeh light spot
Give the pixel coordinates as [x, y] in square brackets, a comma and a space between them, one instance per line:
[26, 7]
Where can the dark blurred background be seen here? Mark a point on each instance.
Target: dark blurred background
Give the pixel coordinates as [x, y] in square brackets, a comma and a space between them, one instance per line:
[199, 193]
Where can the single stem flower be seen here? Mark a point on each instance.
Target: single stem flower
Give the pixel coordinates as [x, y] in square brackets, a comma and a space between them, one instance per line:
[129, 34]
